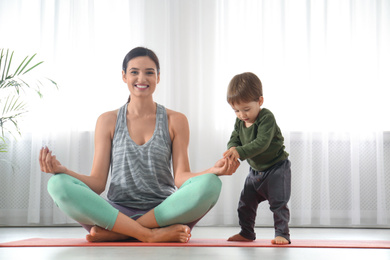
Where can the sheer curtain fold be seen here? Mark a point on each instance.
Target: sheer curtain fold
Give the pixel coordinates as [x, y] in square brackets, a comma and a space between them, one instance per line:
[382, 212]
[35, 189]
[323, 65]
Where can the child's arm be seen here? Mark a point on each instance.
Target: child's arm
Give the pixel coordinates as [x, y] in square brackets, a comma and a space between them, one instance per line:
[234, 142]
[265, 133]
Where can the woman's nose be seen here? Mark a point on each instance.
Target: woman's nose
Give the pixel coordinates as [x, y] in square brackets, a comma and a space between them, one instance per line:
[141, 77]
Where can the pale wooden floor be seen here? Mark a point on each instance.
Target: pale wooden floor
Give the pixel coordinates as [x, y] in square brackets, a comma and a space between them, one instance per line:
[215, 253]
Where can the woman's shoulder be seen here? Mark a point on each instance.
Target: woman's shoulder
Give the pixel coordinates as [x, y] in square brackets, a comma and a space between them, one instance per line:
[177, 123]
[109, 116]
[175, 116]
[106, 122]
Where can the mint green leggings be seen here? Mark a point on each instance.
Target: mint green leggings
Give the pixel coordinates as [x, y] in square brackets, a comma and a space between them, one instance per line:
[187, 205]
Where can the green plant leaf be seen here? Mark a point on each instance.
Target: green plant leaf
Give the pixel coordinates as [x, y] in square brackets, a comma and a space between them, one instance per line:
[20, 65]
[12, 105]
[5, 66]
[9, 64]
[39, 63]
[3, 145]
[1, 58]
[12, 110]
[53, 82]
[32, 57]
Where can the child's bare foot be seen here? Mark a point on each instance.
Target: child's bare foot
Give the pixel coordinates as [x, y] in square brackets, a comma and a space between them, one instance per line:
[174, 233]
[238, 237]
[98, 234]
[280, 241]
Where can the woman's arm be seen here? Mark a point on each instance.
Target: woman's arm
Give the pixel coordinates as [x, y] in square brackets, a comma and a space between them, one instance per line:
[180, 135]
[97, 180]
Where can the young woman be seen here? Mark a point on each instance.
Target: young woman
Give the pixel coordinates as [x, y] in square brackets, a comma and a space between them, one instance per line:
[140, 142]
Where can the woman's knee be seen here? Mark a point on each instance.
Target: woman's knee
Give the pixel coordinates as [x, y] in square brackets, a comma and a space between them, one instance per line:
[211, 185]
[59, 187]
[214, 181]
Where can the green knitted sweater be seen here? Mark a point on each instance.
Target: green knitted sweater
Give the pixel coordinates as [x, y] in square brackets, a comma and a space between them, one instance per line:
[261, 144]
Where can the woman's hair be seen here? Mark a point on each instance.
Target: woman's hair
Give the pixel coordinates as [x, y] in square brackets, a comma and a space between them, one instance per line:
[140, 52]
[245, 87]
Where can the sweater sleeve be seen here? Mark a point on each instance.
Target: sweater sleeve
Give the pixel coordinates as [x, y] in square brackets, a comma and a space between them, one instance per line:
[235, 137]
[266, 129]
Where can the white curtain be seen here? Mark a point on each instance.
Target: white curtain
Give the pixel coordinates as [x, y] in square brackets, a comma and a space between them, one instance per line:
[324, 66]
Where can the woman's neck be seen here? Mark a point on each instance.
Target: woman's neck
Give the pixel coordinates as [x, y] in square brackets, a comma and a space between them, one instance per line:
[142, 107]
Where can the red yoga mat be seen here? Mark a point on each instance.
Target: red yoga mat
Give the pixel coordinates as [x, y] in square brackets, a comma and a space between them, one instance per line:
[296, 243]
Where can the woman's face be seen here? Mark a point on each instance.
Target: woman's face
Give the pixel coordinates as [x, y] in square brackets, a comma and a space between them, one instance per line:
[141, 76]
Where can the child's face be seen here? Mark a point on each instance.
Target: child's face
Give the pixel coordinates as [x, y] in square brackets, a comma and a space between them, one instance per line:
[248, 112]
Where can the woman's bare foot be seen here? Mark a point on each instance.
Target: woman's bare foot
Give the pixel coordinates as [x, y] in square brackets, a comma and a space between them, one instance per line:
[238, 237]
[98, 234]
[280, 241]
[174, 233]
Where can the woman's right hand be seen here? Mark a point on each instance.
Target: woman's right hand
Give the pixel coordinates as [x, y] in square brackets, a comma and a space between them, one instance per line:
[225, 166]
[49, 162]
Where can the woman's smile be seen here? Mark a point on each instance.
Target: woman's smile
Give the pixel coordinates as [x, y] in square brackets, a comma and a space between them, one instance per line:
[141, 86]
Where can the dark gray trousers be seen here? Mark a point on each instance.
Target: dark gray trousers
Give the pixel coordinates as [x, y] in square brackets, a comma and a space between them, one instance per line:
[273, 185]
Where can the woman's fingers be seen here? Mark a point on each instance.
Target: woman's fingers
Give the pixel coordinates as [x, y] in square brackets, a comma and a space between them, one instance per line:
[40, 159]
[228, 166]
[236, 165]
[49, 162]
[224, 167]
[232, 166]
[46, 160]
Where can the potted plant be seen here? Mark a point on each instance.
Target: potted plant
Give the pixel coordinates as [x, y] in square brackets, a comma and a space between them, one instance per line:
[12, 85]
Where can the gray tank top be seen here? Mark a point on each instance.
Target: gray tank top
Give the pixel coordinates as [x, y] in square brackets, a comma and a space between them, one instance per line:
[141, 175]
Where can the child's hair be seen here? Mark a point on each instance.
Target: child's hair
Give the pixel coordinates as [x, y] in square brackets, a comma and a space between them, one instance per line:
[245, 87]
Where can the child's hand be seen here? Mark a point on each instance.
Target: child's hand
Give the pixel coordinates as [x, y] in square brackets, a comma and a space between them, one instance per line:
[232, 154]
